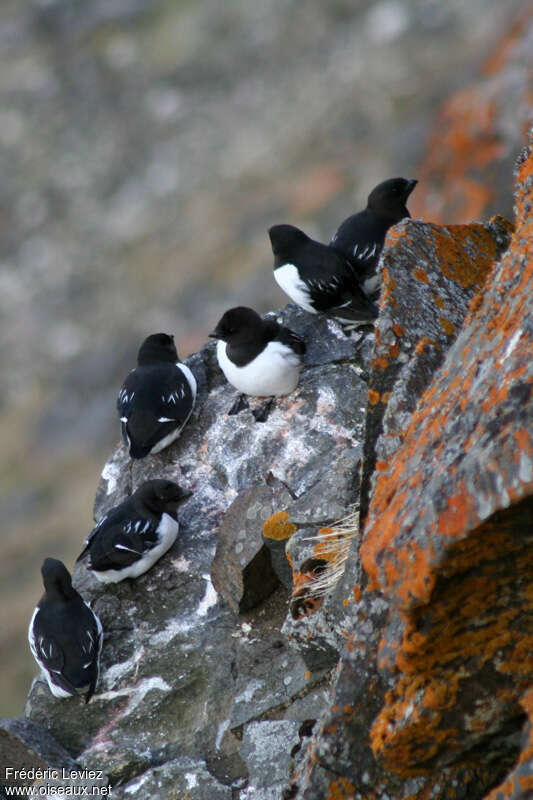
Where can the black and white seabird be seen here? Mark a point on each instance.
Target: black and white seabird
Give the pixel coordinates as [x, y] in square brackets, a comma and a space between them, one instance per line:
[65, 635]
[360, 238]
[259, 357]
[132, 536]
[156, 399]
[317, 277]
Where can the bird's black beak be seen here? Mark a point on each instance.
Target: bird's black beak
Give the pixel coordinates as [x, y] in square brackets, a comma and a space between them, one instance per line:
[213, 335]
[411, 185]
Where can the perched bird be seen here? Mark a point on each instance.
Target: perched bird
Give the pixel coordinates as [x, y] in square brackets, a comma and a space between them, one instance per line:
[360, 238]
[156, 399]
[259, 357]
[65, 635]
[317, 277]
[132, 536]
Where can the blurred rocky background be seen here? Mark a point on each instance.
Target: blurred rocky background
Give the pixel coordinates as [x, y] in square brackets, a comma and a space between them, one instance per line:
[145, 148]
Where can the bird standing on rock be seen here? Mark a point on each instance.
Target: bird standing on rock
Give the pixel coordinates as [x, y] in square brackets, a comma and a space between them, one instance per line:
[156, 399]
[360, 238]
[65, 635]
[259, 357]
[132, 536]
[317, 277]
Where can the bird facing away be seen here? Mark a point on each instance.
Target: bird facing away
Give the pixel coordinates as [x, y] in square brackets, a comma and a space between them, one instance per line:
[317, 277]
[259, 357]
[132, 536]
[156, 399]
[65, 635]
[360, 238]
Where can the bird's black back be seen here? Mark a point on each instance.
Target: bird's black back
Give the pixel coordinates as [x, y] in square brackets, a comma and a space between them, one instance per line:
[66, 639]
[151, 392]
[361, 236]
[129, 524]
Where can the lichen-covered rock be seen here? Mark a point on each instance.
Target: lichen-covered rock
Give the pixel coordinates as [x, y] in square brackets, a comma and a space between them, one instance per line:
[450, 529]
[519, 784]
[183, 673]
[429, 276]
[438, 621]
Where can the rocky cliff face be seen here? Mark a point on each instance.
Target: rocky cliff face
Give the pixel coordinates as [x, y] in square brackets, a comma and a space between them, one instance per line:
[277, 652]
[200, 692]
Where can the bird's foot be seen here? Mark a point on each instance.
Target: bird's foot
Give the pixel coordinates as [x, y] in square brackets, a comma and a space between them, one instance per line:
[240, 404]
[261, 413]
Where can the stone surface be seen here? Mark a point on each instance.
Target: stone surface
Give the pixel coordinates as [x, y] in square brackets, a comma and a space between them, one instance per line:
[242, 571]
[183, 674]
[25, 745]
[266, 747]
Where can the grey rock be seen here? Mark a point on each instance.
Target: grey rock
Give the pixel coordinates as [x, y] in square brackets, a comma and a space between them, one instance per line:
[266, 747]
[242, 571]
[179, 777]
[24, 744]
[186, 669]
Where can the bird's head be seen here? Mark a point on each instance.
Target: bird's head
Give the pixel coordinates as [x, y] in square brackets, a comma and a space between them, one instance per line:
[56, 578]
[157, 347]
[237, 325]
[284, 238]
[390, 197]
[161, 495]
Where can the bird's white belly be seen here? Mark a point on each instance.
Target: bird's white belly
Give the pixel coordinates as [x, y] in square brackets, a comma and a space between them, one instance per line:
[288, 279]
[275, 371]
[167, 440]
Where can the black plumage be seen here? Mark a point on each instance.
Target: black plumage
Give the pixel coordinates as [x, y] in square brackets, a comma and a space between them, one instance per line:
[156, 399]
[360, 237]
[132, 536]
[317, 277]
[65, 635]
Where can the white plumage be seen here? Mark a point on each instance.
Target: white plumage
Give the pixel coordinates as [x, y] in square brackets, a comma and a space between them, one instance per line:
[275, 371]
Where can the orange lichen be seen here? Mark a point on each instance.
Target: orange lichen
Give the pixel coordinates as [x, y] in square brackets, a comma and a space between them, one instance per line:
[398, 330]
[373, 397]
[447, 326]
[421, 275]
[471, 621]
[341, 789]
[278, 526]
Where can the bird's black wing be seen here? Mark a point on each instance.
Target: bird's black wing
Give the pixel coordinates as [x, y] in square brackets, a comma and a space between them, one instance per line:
[355, 306]
[335, 289]
[156, 400]
[47, 648]
[360, 239]
[121, 544]
[90, 639]
[90, 536]
[291, 339]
